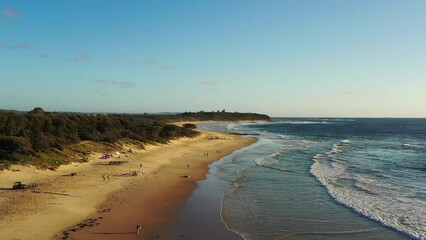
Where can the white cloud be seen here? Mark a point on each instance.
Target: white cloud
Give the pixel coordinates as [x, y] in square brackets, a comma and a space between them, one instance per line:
[164, 67]
[81, 58]
[149, 62]
[207, 82]
[122, 85]
[98, 81]
[125, 85]
[167, 67]
[11, 13]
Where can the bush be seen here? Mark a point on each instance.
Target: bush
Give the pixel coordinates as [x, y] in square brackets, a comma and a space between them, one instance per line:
[190, 126]
[14, 148]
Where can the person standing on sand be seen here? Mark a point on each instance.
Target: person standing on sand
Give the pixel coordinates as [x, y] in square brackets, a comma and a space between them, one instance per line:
[138, 228]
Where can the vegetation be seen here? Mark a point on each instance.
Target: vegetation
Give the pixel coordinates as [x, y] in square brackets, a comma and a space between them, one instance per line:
[221, 116]
[42, 138]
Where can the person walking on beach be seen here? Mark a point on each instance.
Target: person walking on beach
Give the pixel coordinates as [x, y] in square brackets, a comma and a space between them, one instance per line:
[138, 228]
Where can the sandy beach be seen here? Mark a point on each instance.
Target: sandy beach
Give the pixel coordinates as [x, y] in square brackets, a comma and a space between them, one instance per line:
[103, 201]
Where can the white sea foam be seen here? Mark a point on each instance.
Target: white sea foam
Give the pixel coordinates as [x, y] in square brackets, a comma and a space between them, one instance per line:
[308, 122]
[269, 160]
[225, 222]
[371, 197]
[232, 127]
[414, 145]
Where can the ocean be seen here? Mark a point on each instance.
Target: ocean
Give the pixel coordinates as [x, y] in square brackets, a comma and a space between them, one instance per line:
[315, 179]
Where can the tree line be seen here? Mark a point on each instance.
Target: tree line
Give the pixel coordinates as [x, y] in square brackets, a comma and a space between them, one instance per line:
[24, 134]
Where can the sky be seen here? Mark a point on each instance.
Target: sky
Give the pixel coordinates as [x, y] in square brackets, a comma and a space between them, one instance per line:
[301, 58]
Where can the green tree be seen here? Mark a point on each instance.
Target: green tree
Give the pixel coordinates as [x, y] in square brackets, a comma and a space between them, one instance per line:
[9, 127]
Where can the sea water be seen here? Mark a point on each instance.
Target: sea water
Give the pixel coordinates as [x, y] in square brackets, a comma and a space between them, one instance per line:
[320, 179]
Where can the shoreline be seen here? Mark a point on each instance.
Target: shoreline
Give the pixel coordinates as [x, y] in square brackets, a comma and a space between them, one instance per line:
[202, 216]
[105, 202]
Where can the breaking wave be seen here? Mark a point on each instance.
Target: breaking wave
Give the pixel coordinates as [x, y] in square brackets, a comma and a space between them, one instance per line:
[369, 195]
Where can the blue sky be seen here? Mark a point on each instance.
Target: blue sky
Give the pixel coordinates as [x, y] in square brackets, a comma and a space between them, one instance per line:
[316, 58]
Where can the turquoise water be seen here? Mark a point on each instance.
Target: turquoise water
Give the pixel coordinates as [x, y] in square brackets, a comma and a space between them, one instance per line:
[319, 179]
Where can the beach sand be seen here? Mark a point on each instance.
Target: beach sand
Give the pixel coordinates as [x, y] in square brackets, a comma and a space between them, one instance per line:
[105, 201]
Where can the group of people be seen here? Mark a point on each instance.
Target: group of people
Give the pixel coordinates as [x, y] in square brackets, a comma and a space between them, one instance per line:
[207, 154]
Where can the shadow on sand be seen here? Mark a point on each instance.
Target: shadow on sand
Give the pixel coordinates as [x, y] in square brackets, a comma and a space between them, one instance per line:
[115, 233]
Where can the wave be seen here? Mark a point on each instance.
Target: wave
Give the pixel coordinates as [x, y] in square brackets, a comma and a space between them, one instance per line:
[414, 145]
[282, 169]
[232, 127]
[226, 222]
[308, 122]
[288, 121]
[269, 160]
[369, 196]
[339, 147]
[290, 236]
[240, 173]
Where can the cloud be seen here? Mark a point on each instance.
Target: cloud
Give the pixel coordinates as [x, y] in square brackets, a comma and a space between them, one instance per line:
[11, 13]
[23, 46]
[19, 46]
[207, 82]
[98, 81]
[167, 67]
[125, 85]
[164, 67]
[122, 85]
[149, 62]
[81, 58]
